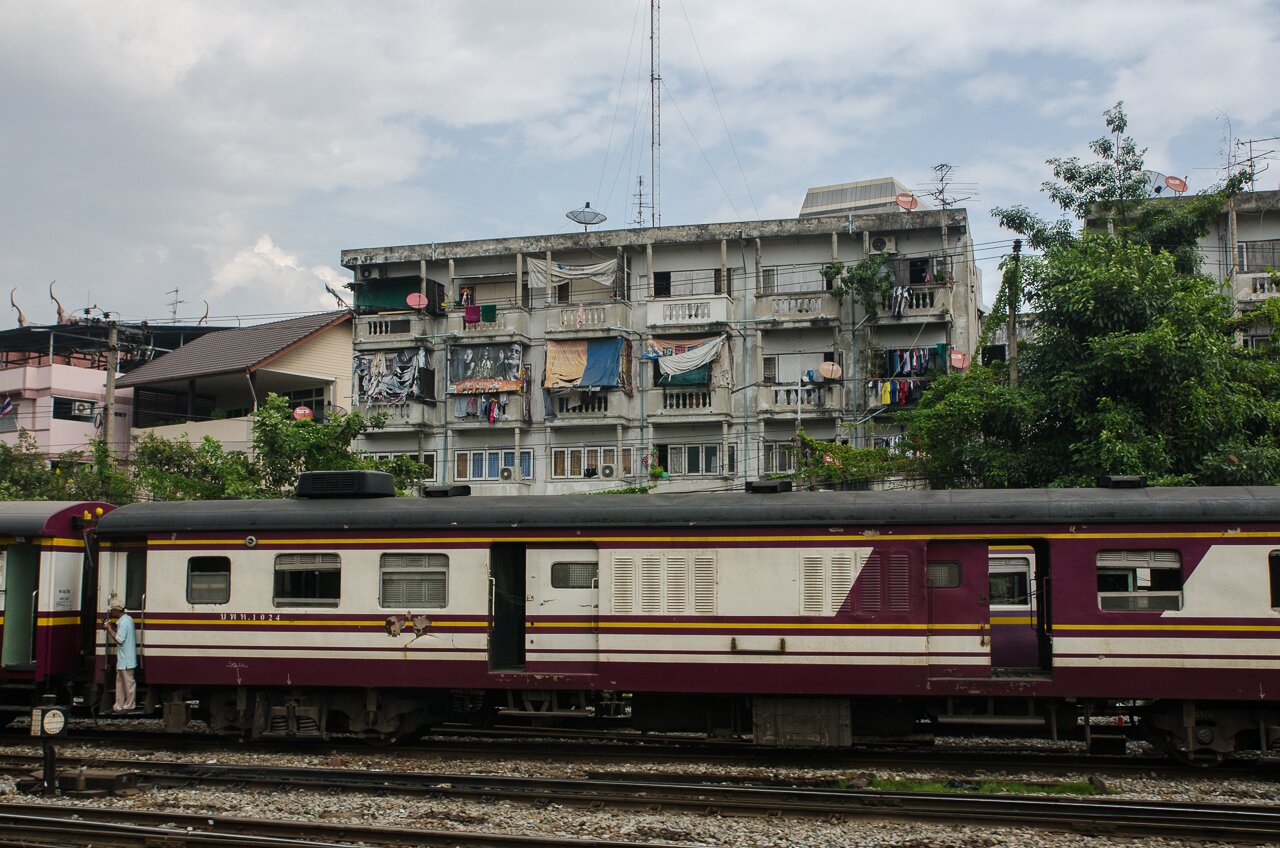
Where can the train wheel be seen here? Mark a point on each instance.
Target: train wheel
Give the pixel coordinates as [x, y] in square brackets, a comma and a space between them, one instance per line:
[1196, 757]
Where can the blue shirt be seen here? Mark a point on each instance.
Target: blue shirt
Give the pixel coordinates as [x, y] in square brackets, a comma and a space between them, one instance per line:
[127, 654]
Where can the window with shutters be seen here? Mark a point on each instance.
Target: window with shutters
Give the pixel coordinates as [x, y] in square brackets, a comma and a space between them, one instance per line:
[826, 580]
[414, 581]
[1139, 580]
[307, 580]
[870, 586]
[624, 585]
[665, 584]
[573, 575]
[208, 580]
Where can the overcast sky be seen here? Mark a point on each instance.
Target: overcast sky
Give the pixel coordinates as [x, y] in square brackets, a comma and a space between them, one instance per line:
[230, 150]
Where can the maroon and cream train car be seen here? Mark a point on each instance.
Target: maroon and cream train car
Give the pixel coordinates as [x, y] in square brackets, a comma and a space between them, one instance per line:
[806, 618]
[44, 573]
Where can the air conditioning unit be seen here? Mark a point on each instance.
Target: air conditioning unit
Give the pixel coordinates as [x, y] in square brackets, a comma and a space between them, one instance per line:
[373, 272]
[884, 244]
[507, 473]
[608, 472]
[82, 408]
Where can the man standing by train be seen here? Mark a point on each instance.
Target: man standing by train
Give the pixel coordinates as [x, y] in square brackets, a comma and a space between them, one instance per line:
[122, 633]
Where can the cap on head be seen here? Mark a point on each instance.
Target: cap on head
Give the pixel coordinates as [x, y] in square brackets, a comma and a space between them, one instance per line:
[116, 608]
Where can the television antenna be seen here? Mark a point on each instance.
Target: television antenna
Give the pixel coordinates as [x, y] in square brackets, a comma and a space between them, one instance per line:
[940, 188]
[586, 216]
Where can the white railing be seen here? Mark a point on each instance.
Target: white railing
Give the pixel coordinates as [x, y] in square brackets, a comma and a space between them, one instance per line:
[596, 403]
[686, 399]
[589, 316]
[692, 310]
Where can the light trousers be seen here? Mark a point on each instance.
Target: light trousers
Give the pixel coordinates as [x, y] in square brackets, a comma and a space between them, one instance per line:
[126, 690]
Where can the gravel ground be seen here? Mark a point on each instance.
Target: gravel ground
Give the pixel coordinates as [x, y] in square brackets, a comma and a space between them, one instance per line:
[514, 818]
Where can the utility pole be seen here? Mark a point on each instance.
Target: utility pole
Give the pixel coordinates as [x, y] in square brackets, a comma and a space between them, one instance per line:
[109, 406]
[1013, 294]
[655, 114]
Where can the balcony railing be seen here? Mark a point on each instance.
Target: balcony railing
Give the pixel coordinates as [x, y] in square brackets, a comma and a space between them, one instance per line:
[798, 306]
[920, 301]
[687, 401]
[387, 328]
[596, 403]
[805, 398]
[589, 316]
[507, 321]
[707, 309]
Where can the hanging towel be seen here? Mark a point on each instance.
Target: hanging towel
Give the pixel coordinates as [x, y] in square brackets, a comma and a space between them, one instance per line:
[471, 314]
[489, 313]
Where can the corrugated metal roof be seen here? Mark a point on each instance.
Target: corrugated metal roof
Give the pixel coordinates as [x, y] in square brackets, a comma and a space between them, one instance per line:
[979, 508]
[231, 351]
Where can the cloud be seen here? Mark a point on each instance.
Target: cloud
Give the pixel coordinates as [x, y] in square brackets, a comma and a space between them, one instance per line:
[266, 268]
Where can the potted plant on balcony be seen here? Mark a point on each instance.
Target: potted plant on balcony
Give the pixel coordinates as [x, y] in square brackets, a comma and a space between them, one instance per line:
[657, 472]
[871, 281]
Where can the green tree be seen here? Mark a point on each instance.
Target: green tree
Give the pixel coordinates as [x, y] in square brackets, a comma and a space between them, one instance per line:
[24, 472]
[818, 462]
[1133, 367]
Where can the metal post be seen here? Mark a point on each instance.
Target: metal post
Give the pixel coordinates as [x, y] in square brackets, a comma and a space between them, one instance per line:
[109, 407]
[1014, 292]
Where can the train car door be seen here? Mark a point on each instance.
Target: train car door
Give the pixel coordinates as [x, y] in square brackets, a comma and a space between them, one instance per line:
[21, 602]
[135, 597]
[563, 609]
[506, 607]
[959, 643]
[1015, 643]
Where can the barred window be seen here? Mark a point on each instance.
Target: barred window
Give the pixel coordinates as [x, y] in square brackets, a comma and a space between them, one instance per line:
[574, 575]
[208, 580]
[414, 581]
[308, 580]
[944, 575]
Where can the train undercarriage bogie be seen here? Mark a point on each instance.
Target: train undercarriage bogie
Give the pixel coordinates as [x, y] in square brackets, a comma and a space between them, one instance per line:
[1204, 733]
[381, 716]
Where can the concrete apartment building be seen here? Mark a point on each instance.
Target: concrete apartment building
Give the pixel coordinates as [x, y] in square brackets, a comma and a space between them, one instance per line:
[576, 362]
[1243, 245]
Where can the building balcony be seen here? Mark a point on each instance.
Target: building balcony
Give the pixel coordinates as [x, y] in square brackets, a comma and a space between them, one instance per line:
[687, 402]
[805, 307]
[389, 329]
[923, 303]
[584, 319]
[697, 311]
[594, 409]
[411, 415]
[509, 322]
[1253, 288]
[782, 401]
[912, 386]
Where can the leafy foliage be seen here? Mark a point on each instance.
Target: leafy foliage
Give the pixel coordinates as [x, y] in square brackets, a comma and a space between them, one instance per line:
[869, 281]
[1133, 368]
[819, 462]
[162, 469]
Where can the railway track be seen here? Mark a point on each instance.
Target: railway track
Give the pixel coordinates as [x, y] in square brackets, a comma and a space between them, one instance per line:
[1233, 823]
[33, 825]
[612, 747]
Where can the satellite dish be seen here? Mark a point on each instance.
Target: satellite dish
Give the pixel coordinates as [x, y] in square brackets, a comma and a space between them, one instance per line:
[417, 300]
[586, 216]
[907, 201]
[1155, 183]
[1176, 184]
[830, 371]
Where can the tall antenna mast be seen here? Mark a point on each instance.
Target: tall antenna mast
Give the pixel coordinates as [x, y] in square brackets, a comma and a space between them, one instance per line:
[655, 116]
[173, 306]
[640, 204]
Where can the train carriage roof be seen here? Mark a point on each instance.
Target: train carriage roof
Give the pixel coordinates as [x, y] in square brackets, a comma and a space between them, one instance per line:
[915, 507]
[43, 518]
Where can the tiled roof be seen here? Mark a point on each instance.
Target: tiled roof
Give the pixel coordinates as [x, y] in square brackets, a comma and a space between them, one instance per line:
[229, 351]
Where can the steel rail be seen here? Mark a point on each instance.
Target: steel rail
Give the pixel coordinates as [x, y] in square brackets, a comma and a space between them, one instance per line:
[28, 824]
[1108, 816]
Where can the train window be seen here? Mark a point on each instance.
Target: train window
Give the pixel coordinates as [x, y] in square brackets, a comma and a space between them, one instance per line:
[1008, 582]
[1139, 580]
[208, 580]
[573, 575]
[415, 580]
[1273, 562]
[308, 580]
[944, 575]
